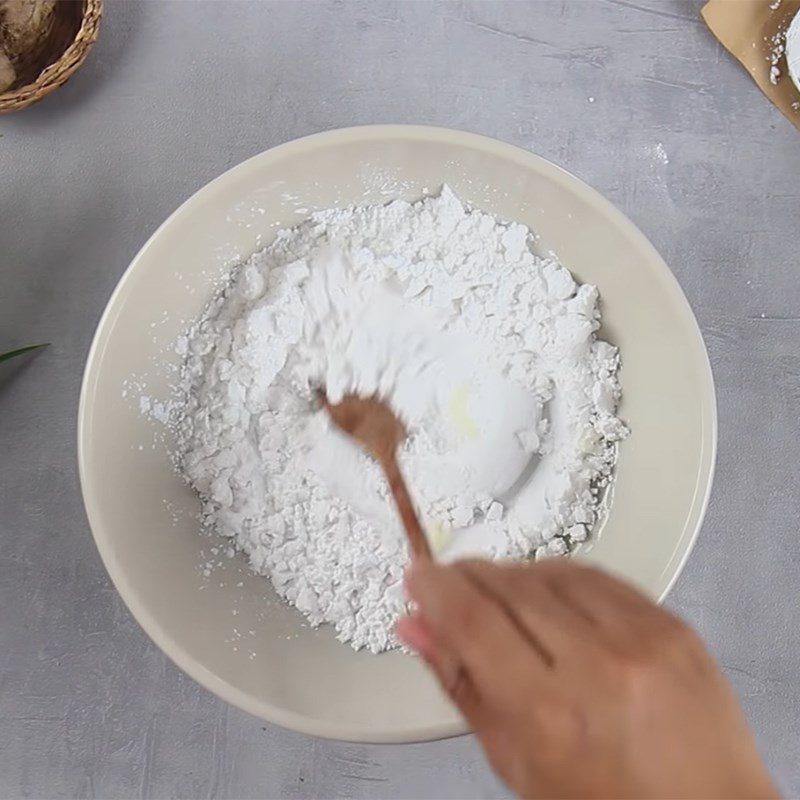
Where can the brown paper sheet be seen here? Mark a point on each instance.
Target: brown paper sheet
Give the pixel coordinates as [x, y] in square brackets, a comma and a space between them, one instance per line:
[746, 28]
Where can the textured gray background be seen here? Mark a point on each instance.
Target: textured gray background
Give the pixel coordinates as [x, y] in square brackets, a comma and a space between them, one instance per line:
[176, 93]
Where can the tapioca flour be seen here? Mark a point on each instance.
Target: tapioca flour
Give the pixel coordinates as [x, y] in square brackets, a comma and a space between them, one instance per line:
[486, 351]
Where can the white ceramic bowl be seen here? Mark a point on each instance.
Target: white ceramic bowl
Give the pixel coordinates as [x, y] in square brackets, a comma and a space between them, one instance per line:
[262, 658]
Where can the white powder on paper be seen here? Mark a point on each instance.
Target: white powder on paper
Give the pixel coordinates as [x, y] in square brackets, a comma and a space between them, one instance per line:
[777, 50]
[486, 351]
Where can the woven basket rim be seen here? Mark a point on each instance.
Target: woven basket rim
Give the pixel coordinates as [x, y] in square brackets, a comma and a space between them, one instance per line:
[59, 71]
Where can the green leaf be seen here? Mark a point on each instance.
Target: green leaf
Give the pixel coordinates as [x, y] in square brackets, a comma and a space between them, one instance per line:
[6, 356]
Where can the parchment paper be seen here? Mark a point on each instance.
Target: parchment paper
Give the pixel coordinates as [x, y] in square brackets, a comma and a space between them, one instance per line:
[746, 28]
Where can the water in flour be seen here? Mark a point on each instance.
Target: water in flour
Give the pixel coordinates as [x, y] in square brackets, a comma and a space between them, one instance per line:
[486, 351]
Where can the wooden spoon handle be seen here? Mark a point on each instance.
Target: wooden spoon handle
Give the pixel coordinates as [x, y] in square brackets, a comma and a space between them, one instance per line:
[416, 536]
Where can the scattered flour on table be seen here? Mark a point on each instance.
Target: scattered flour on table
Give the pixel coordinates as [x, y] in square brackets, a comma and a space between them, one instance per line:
[661, 153]
[486, 351]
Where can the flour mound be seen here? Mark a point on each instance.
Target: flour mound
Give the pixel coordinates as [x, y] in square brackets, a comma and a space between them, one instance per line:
[486, 351]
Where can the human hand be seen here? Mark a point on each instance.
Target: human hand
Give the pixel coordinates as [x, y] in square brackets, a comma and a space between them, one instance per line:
[577, 685]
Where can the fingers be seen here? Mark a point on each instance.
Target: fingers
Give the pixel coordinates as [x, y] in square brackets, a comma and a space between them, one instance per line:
[626, 620]
[475, 629]
[413, 631]
[550, 623]
[594, 594]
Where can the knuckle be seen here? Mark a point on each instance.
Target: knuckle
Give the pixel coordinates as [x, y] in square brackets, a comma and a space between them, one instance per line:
[684, 647]
[671, 637]
[634, 668]
[639, 681]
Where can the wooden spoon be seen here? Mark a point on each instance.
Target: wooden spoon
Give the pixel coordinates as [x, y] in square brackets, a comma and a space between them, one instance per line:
[375, 427]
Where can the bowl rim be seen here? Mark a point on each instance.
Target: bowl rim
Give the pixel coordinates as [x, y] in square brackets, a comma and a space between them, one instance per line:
[181, 658]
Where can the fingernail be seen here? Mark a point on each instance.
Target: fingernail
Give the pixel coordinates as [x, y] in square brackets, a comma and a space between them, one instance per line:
[410, 633]
[413, 632]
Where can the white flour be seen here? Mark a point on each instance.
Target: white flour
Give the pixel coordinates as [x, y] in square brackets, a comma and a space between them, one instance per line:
[486, 351]
[783, 46]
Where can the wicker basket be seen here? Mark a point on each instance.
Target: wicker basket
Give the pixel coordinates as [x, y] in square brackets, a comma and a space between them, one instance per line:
[73, 32]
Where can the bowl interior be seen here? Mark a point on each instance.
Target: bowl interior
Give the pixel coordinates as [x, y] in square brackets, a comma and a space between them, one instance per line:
[227, 629]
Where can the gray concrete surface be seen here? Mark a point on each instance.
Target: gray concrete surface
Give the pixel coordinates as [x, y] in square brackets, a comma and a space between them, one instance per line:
[634, 97]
